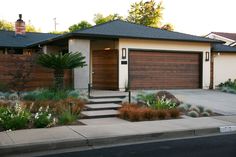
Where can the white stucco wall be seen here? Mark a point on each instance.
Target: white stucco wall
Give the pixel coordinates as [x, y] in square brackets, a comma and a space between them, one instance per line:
[162, 45]
[81, 75]
[51, 49]
[224, 67]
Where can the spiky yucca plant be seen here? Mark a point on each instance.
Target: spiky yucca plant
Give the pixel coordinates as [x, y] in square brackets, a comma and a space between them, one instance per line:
[59, 62]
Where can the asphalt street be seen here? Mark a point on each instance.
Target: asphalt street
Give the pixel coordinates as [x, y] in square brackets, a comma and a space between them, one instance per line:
[217, 146]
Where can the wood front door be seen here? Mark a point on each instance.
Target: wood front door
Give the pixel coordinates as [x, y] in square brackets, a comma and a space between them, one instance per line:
[105, 69]
[164, 70]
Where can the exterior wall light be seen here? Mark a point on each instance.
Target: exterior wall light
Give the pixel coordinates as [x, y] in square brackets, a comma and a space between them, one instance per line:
[107, 49]
[123, 53]
[207, 56]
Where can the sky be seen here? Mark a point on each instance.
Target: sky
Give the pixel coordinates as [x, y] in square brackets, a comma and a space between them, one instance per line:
[197, 17]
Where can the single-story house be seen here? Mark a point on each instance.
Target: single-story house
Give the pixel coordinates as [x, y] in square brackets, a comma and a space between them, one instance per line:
[120, 54]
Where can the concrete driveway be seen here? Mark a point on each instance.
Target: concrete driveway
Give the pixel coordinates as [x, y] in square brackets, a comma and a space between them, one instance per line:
[223, 103]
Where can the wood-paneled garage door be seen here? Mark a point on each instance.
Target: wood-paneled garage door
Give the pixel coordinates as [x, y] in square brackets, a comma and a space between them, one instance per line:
[105, 69]
[164, 70]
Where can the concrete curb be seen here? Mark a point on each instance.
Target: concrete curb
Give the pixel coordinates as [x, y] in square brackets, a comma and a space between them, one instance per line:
[41, 146]
[66, 144]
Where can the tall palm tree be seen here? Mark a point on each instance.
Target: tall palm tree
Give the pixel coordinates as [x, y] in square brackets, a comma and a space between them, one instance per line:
[59, 62]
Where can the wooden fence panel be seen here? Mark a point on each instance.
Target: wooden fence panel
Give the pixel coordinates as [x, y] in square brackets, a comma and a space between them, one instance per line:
[39, 76]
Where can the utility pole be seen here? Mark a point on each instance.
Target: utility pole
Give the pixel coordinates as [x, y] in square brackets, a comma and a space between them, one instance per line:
[55, 24]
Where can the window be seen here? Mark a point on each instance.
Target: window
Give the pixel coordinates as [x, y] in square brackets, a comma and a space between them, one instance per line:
[15, 51]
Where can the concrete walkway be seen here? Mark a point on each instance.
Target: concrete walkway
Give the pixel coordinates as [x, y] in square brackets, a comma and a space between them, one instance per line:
[33, 140]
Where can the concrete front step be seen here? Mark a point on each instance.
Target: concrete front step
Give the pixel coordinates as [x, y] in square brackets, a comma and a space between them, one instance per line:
[104, 97]
[99, 114]
[105, 100]
[106, 106]
[103, 121]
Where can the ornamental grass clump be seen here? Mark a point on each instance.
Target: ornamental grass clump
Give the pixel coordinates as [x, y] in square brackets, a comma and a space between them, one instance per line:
[135, 112]
[67, 118]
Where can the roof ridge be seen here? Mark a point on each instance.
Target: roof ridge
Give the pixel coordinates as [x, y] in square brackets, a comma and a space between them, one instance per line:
[79, 30]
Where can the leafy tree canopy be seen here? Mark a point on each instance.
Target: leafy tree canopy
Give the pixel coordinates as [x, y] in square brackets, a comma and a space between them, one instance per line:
[31, 28]
[81, 25]
[5, 25]
[146, 13]
[9, 26]
[168, 27]
[99, 18]
[58, 32]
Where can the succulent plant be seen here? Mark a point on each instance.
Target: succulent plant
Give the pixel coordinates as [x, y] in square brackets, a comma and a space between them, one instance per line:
[13, 96]
[2, 97]
[201, 108]
[189, 105]
[194, 108]
[193, 114]
[208, 111]
[205, 114]
[183, 107]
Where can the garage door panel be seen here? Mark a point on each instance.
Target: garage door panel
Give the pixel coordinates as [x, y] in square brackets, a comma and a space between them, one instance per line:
[164, 70]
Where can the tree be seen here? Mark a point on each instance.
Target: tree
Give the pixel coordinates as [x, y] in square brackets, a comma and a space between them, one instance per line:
[5, 25]
[99, 18]
[146, 13]
[168, 27]
[8, 26]
[60, 62]
[58, 32]
[31, 28]
[79, 26]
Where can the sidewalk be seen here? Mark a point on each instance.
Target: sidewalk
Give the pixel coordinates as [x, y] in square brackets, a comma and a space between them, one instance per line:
[23, 141]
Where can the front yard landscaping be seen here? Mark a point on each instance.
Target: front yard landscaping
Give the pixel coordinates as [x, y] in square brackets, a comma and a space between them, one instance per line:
[159, 106]
[228, 86]
[40, 108]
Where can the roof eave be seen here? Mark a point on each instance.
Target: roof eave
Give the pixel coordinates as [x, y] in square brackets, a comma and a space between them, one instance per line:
[71, 35]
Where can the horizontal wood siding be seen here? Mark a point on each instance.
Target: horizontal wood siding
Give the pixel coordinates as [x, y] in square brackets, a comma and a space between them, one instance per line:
[164, 70]
[105, 69]
[39, 77]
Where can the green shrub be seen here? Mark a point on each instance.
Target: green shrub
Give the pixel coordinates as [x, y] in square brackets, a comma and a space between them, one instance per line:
[14, 118]
[43, 118]
[50, 94]
[193, 114]
[66, 118]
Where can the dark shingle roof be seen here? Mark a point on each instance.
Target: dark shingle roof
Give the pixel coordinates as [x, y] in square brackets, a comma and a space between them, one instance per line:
[8, 38]
[223, 48]
[231, 36]
[124, 29]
